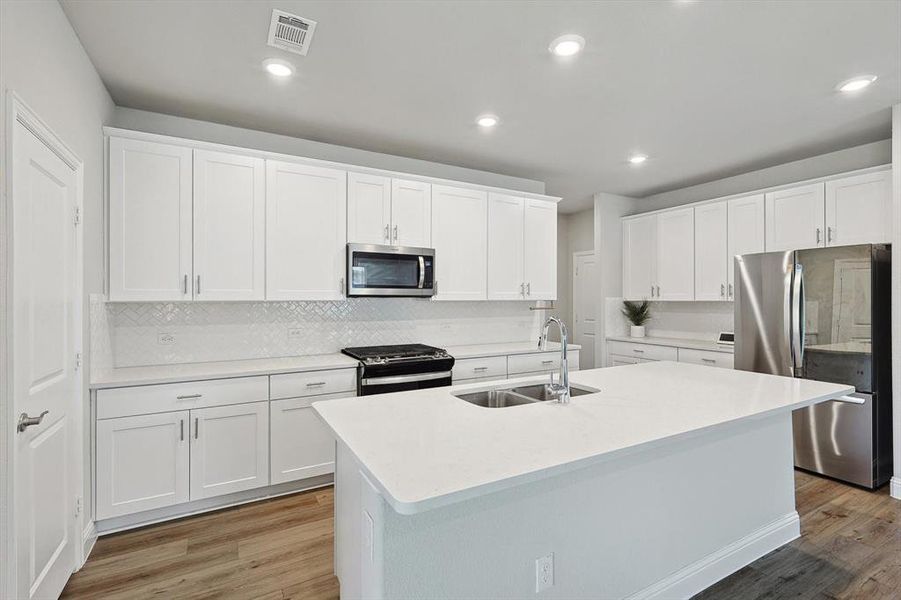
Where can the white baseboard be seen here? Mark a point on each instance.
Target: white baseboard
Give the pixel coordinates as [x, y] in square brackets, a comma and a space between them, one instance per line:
[895, 487]
[88, 539]
[703, 573]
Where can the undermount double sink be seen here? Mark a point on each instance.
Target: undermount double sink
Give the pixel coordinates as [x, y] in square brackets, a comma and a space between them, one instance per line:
[518, 395]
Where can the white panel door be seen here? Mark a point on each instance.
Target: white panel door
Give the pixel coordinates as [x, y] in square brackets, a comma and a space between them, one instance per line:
[858, 209]
[640, 258]
[45, 276]
[795, 218]
[142, 463]
[150, 221]
[746, 233]
[229, 226]
[675, 255]
[411, 213]
[301, 445]
[505, 247]
[540, 249]
[306, 225]
[229, 449]
[460, 239]
[585, 305]
[368, 209]
[711, 251]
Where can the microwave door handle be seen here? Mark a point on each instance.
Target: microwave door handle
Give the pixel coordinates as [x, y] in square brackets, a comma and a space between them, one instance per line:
[421, 272]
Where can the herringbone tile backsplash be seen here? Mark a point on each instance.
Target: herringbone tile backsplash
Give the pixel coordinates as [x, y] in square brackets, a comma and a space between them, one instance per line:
[133, 334]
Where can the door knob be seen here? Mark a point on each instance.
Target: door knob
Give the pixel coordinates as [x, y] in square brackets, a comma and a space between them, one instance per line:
[25, 421]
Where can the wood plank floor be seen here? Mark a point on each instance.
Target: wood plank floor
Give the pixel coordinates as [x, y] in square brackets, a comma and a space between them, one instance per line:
[850, 547]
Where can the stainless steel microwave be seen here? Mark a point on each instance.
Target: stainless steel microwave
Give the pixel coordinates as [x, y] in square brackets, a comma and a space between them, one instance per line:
[395, 271]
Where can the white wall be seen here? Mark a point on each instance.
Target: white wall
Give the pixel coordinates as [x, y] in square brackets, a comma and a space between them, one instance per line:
[896, 297]
[42, 60]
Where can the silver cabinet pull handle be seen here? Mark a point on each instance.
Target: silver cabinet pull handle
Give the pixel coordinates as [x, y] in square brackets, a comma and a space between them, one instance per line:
[637, 351]
[196, 427]
[829, 234]
[477, 369]
[25, 421]
[818, 235]
[181, 430]
[387, 233]
[198, 285]
[731, 291]
[652, 291]
[708, 360]
[189, 396]
[529, 289]
[522, 289]
[316, 384]
[341, 285]
[658, 291]
[723, 290]
[395, 233]
[547, 362]
[185, 285]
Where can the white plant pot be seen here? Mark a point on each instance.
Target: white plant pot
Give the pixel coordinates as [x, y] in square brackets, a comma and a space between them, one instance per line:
[637, 331]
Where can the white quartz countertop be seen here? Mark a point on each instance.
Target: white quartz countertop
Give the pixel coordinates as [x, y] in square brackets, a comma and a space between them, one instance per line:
[426, 448]
[131, 376]
[710, 345]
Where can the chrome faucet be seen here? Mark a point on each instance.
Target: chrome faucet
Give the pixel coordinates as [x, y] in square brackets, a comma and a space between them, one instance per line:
[561, 390]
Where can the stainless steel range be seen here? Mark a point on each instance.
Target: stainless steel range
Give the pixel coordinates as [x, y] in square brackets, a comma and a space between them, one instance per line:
[400, 367]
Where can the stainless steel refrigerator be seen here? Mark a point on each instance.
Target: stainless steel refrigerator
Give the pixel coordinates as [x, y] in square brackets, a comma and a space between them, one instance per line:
[825, 314]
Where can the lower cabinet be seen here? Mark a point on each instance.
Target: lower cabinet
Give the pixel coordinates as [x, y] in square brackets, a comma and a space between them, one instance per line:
[632, 353]
[301, 444]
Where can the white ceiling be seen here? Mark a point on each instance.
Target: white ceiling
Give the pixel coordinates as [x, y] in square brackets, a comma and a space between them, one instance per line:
[707, 89]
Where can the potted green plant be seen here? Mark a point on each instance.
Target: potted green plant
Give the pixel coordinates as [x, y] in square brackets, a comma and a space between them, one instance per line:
[638, 313]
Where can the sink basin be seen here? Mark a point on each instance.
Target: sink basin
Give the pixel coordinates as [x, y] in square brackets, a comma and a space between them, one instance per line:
[518, 395]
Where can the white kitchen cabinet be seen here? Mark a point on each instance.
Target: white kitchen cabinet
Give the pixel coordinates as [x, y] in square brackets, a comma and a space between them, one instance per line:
[540, 250]
[706, 358]
[745, 233]
[640, 257]
[618, 361]
[795, 218]
[368, 209]
[858, 209]
[301, 445]
[711, 251]
[675, 255]
[505, 247]
[229, 449]
[150, 214]
[460, 238]
[411, 213]
[142, 463]
[306, 225]
[229, 226]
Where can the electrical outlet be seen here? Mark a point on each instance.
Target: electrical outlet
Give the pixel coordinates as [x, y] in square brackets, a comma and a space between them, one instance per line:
[295, 333]
[544, 572]
[165, 339]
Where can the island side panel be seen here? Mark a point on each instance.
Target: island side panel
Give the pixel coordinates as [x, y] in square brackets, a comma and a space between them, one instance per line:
[665, 522]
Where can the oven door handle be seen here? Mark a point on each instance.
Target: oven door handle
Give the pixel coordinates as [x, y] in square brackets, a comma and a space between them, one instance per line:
[421, 272]
[392, 379]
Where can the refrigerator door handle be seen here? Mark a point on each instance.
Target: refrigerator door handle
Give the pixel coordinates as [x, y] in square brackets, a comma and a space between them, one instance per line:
[851, 399]
[797, 319]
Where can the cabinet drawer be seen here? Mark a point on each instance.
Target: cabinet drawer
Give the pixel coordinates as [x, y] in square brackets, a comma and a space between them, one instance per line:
[151, 399]
[312, 383]
[477, 368]
[707, 358]
[536, 362]
[646, 351]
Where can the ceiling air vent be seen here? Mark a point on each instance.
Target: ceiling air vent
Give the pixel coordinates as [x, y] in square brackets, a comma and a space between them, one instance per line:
[290, 32]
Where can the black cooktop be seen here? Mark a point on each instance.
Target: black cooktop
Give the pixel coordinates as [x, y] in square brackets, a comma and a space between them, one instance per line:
[395, 351]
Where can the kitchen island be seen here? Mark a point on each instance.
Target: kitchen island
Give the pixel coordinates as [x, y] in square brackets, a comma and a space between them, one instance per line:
[668, 478]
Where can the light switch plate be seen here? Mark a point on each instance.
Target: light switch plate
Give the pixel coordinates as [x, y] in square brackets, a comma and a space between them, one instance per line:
[544, 572]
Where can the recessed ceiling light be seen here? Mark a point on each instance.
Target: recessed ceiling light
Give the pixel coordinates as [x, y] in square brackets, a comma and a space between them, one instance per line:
[277, 67]
[567, 45]
[637, 159]
[855, 83]
[487, 121]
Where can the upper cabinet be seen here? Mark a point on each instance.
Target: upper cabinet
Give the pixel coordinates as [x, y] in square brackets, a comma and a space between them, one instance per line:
[859, 209]
[640, 257]
[711, 251]
[745, 235]
[522, 248]
[460, 239]
[675, 255]
[382, 210]
[306, 212]
[150, 221]
[795, 218]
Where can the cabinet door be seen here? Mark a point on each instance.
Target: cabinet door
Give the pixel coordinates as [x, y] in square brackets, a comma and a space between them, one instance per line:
[142, 463]
[540, 249]
[505, 247]
[795, 218]
[229, 226]
[300, 443]
[368, 209]
[639, 257]
[711, 251]
[460, 239]
[746, 223]
[675, 255]
[306, 224]
[858, 209]
[150, 221]
[411, 213]
[229, 449]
